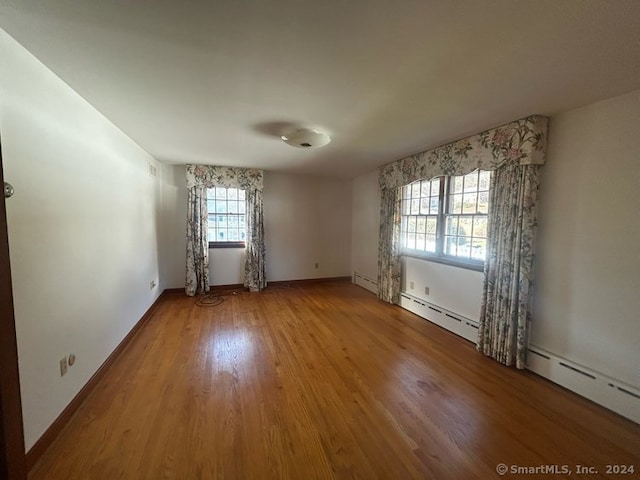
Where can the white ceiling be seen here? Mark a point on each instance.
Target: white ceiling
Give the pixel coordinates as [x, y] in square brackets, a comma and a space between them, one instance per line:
[216, 82]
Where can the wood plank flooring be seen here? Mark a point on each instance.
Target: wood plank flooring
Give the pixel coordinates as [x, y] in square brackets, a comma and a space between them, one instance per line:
[323, 381]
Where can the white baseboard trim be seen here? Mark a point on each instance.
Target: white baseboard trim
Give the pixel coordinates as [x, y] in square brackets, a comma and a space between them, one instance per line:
[609, 392]
[365, 282]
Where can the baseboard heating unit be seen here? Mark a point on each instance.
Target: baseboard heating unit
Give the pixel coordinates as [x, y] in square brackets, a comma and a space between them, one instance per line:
[365, 282]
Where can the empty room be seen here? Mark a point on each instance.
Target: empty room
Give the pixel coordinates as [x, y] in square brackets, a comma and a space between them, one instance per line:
[299, 240]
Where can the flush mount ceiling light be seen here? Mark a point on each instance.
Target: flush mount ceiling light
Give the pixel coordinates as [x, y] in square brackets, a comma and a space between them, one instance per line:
[306, 138]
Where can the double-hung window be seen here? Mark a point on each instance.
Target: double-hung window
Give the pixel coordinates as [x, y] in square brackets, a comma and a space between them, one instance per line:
[227, 217]
[445, 218]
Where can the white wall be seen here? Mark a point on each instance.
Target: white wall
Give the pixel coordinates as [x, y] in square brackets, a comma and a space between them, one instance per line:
[587, 298]
[173, 224]
[82, 232]
[307, 220]
[456, 289]
[226, 266]
[366, 225]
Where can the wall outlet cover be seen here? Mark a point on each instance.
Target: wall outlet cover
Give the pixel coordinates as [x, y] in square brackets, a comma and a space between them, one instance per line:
[64, 366]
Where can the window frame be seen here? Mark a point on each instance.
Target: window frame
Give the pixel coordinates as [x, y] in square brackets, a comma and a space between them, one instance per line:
[228, 243]
[444, 208]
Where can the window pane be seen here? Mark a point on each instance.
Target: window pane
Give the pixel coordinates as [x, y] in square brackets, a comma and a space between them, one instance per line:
[241, 195]
[469, 203]
[424, 206]
[232, 193]
[415, 190]
[233, 206]
[411, 226]
[221, 207]
[456, 204]
[221, 193]
[411, 240]
[420, 241]
[222, 235]
[483, 202]
[415, 206]
[456, 184]
[479, 249]
[425, 189]
[485, 179]
[233, 235]
[465, 225]
[406, 207]
[434, 206]
[222, 221]
[452, 225]
[211, 205]
[211, 193]
[471, 182]
[435, 187]
[480, 227]
[450, 246]
[432, 225]
[421, 225]
[242, 206]
[431, 244]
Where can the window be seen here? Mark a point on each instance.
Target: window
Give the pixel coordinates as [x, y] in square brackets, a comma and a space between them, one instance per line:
[227, 217]
[446, 218]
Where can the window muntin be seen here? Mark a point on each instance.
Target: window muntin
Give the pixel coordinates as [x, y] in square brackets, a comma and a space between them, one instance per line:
[446, 218]
[227, 217]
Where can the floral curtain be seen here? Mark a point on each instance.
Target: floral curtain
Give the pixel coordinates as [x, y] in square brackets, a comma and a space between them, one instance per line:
[389, 271]
[519, 146]
[254, 267]
[508, 269]
[197, 280]
[201, 177]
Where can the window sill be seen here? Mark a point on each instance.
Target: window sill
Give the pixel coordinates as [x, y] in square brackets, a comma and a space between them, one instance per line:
[227, 245]
[478, 267]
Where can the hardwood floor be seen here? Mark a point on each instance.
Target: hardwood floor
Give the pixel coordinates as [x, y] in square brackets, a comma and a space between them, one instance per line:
[323, 381]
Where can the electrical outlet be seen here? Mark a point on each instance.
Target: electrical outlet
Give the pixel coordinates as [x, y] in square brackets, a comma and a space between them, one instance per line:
[64, 366]
[426, 290]
[411, 285]
[152, 284]
[72, 359]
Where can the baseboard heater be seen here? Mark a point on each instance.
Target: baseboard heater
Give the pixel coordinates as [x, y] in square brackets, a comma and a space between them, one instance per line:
[454, 322]
[598, 387]
[609, 392]
[365, 282]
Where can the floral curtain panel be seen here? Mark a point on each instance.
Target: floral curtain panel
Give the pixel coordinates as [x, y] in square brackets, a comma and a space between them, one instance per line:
[508, 270]
[389, 270]
[201, 177]
[518, 146]
[197, 280]
[254, 267]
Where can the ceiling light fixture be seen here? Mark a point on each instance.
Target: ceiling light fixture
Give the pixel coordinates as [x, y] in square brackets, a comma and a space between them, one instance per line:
[306, 138]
